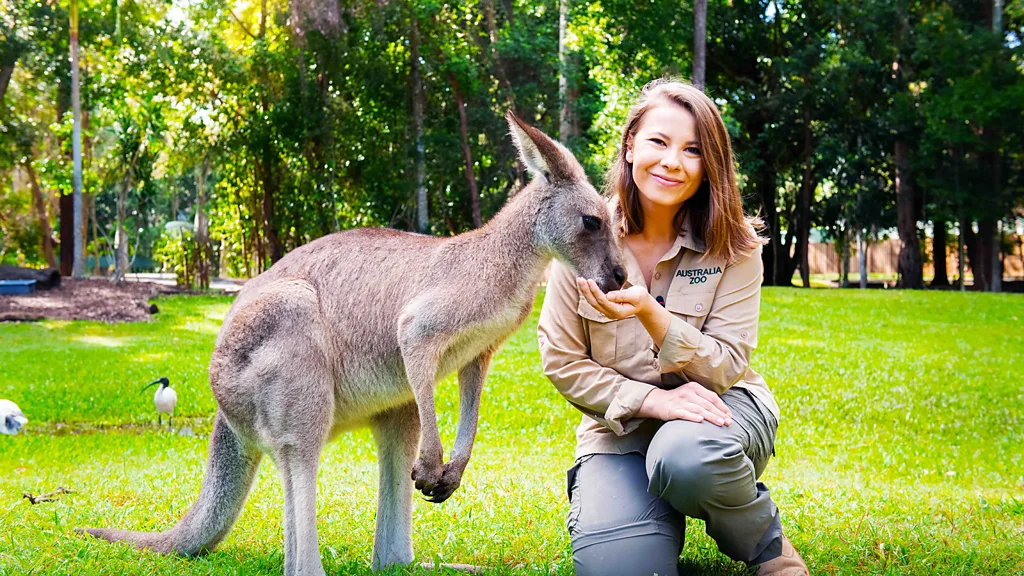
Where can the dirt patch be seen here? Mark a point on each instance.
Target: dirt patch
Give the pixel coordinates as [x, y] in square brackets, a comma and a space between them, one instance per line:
[100, 300]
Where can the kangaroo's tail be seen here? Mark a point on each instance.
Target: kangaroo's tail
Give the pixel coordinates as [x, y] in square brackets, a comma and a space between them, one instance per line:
[229, 474]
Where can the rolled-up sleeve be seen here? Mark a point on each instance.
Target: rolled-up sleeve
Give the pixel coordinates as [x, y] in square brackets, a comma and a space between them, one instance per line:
[718, 355]
[598, 391]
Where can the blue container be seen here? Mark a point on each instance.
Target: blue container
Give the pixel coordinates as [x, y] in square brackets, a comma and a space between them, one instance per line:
[17, 286]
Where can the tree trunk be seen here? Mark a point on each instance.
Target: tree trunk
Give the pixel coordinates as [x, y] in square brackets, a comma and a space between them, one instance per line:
[78, 267]
[499, 73]
[95, 236]
[862, 249]
[565, 115]
[418, 102]
[700, 35]
[941, 278]
[988, 253]
[806, 195]
[844, 241]
[122, 266]
[772, 250]
[204, 251]
[5, 77]
[988, 228]
[997, 258]
[66, 208]
[974, 259]
[787, 264]
[961, 255]
[66, 227]
[499, 66]
[39, 205]
[467, 154]
[270, 179]
[910, 265]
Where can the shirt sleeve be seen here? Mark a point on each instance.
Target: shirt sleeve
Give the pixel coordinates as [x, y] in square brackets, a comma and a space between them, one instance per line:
[718, 355]
[598, 391]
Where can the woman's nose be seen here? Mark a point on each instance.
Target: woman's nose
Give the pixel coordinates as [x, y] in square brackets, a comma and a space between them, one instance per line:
[670, 162]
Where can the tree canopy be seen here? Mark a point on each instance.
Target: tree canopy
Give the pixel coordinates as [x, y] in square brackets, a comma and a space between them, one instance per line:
[255, 127]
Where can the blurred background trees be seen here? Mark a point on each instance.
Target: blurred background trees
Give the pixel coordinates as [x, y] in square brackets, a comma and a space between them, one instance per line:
[218, 135]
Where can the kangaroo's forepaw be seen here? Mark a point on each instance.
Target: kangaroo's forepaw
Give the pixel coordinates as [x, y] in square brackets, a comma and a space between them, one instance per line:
[427, 473]
[451, 479]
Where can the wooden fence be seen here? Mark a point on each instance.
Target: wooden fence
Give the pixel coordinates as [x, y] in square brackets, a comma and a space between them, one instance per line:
[883, 258]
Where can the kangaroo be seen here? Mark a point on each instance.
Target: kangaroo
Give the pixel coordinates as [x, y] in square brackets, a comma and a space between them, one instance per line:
[355, 329]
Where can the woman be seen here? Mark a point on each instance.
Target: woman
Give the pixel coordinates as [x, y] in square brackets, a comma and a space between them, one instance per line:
[675, 422]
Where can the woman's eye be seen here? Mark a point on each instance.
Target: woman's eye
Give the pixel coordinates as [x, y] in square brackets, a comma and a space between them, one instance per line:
[693, 150]
[591, 223]
[657, 141]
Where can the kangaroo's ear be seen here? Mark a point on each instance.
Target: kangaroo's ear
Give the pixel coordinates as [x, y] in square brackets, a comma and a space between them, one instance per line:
[540, 154]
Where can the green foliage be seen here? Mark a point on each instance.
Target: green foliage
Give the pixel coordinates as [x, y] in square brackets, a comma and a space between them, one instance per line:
[177, 253]
[303, 110]
[19, 233]
[898, 449]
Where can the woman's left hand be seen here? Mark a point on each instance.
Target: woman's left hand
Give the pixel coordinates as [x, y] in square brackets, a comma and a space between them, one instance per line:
[617, 304]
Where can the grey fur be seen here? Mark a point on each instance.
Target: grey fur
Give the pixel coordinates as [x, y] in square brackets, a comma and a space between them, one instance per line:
[355, 329]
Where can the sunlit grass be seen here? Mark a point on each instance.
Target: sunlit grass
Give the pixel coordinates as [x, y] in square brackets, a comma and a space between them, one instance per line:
[900, 448]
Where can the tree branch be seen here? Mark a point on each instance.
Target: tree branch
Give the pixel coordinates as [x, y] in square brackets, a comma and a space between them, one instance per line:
[242, 24]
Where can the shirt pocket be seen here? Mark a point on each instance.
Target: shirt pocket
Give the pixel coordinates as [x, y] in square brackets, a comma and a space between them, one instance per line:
[689, 305]
[611, 341]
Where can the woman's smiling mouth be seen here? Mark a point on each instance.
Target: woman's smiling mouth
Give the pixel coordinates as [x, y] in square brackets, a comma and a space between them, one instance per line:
[665, 181]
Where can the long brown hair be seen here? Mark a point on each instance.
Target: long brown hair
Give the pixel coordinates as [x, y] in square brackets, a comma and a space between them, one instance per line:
[716, 210]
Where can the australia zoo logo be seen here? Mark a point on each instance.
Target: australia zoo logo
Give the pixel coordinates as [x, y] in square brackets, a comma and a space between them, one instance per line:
[698, 275]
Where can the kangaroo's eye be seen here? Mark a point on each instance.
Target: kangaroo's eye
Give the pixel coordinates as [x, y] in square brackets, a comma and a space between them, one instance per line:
[592, 223]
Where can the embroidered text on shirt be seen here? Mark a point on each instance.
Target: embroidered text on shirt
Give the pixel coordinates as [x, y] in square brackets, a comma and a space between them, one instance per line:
[698, 275]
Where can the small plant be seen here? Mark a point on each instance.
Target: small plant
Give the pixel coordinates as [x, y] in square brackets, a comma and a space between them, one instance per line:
[178, 252]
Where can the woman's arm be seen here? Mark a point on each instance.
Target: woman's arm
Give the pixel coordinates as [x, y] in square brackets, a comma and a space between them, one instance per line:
[691, 401]
[717, 355]
[600, 392]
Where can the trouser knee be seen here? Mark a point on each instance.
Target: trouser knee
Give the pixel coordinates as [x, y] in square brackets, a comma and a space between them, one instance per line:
[638, 549]
[690, 472]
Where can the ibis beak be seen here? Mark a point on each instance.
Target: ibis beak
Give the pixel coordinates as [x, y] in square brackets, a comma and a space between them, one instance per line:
[154, 383]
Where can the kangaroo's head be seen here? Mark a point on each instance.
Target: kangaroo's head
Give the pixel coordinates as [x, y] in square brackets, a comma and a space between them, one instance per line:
[573, 220]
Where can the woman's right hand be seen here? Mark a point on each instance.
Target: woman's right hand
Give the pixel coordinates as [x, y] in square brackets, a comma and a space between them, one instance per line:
[691, 401]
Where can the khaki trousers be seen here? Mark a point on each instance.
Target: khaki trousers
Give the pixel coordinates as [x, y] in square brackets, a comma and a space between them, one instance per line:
[627, 511]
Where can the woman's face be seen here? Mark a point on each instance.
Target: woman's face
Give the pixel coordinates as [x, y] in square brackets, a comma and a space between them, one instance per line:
[665, 157]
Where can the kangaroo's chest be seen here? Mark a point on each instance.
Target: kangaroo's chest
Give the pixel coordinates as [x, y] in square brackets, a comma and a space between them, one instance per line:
[481, 336]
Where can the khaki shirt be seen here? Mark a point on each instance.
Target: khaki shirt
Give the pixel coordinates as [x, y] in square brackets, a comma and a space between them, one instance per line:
[606, 368]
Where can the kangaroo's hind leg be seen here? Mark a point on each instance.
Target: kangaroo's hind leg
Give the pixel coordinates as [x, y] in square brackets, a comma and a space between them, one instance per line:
[296, 410]
[298, 467]
[397, 432]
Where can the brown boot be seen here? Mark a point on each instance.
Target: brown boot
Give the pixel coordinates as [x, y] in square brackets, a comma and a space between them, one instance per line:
[788, 563]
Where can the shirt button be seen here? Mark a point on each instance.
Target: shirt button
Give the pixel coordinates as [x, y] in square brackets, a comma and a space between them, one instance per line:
[657, 275]
[699, 307]
[744, 334]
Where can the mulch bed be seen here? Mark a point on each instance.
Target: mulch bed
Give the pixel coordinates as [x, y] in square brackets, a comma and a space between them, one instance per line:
[100, 300]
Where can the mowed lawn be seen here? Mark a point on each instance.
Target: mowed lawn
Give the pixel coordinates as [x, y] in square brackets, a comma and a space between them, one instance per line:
[900, 451]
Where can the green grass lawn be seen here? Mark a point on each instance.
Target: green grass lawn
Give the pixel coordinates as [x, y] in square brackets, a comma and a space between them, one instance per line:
[901, 447]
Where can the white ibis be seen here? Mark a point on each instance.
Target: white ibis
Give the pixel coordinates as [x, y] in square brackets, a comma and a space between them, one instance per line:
[11, 418]
[165, 399]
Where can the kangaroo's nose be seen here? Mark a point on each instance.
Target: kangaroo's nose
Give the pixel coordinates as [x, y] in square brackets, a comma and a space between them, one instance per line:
[619, 273]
